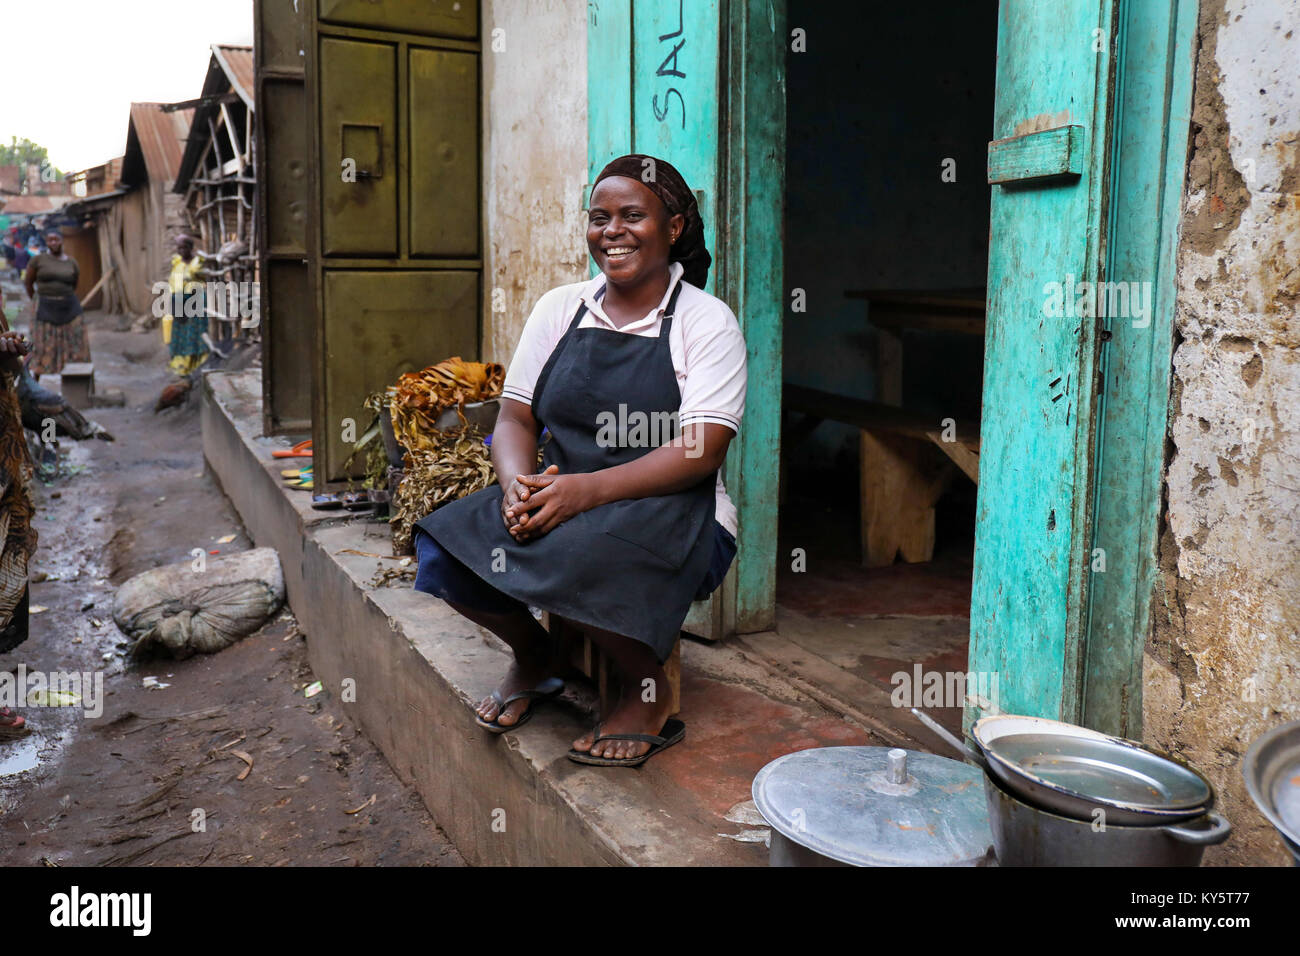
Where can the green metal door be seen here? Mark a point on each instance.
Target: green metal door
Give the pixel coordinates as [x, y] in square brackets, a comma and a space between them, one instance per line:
[397, 264]
[1048, 163]
[281, 160]
[681, 81]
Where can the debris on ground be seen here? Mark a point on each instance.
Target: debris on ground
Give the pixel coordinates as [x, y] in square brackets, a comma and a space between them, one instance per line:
[393, 577]
[200, 607]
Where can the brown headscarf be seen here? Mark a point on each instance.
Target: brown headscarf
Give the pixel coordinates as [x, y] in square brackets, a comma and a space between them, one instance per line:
[667, 183]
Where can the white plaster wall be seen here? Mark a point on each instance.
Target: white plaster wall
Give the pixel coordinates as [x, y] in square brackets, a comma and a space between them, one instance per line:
[535, 159]
[1224, 662]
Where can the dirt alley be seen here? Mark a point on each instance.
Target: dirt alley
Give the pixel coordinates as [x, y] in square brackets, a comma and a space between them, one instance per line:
[123, 789]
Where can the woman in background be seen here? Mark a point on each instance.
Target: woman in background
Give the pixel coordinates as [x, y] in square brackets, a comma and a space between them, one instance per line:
[59, 330]
[187, 319]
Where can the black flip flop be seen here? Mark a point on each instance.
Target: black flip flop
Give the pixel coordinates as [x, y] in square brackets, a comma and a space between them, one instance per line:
[547, 689]
[326, 502]
[674, 731]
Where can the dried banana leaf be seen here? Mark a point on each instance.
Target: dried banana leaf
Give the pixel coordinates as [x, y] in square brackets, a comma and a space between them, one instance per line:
[418, 398]
[450, 465]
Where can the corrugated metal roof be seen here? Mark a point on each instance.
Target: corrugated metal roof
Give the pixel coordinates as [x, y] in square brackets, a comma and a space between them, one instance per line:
[237, 61]
[229, 71]
[92, 203]
[159, 137]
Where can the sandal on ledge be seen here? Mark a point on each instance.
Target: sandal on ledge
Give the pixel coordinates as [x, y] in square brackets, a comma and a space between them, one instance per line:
[300, 450]
[674, 731]
[547, 689]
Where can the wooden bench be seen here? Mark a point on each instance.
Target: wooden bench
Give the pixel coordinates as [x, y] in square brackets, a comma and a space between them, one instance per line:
[901, 476]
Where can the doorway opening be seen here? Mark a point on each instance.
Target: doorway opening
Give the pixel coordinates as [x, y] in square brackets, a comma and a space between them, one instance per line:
[886, 257]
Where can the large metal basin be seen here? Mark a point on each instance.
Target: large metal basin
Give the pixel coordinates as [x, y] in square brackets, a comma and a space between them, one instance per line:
[1026, 836]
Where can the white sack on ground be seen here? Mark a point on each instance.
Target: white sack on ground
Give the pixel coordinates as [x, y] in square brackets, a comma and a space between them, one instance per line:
[185, 611]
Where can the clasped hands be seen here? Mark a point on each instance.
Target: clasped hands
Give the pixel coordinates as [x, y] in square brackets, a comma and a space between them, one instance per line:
[532, 505]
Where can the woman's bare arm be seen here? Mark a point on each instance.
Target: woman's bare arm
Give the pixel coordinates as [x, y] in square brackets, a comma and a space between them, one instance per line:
[514, 451]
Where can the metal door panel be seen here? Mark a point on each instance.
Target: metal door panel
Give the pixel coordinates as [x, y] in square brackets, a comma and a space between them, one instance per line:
[285, 146]
[443, 120]
[283, 206]
[281, 40]
[381, 324]
[447, 18]
[358, 158]
[286, 298]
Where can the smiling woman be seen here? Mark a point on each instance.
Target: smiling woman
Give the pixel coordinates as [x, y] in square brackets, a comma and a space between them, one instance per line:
[616, 535]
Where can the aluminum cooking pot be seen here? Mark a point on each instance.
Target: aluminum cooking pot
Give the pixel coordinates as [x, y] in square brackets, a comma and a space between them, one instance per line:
[1272, 771]
[1074, 771]
[1026, 836]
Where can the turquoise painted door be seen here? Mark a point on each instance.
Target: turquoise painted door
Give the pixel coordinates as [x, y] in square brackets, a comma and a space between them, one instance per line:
[1048, 163]
[652, 69]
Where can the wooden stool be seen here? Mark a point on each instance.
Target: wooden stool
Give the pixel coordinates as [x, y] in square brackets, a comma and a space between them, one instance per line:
[584, 654]
[77, 383]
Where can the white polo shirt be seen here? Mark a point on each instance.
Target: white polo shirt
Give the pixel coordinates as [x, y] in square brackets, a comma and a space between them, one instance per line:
[707, 349]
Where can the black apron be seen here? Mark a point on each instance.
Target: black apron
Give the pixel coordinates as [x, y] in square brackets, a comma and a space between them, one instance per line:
[631, 567]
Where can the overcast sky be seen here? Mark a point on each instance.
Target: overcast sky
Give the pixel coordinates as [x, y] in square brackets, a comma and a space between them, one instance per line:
[69, 83]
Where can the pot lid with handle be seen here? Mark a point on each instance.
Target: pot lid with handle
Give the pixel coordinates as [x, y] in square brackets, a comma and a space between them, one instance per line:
[877, 806]
[1271, 768]
[1082, 769]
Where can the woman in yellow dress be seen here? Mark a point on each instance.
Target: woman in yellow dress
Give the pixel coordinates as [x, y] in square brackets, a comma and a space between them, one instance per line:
[187, 317]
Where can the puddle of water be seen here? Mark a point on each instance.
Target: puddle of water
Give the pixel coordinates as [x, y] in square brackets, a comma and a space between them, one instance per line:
[20, 756]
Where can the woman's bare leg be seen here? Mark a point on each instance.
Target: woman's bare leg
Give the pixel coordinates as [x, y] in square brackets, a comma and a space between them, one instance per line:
[534, 658]
[642, 706]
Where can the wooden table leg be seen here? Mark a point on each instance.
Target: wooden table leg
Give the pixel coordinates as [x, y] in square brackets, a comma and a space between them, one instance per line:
[901, 479]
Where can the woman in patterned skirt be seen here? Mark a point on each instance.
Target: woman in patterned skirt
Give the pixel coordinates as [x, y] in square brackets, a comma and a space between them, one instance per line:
[59, 330]
[17, 536]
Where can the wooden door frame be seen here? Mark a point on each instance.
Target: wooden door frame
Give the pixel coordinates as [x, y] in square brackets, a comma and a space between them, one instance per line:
[1155, 62]
[751, 278]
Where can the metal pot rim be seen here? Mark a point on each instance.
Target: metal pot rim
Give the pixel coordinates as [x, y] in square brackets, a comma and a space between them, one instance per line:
[1251, 771]
[1014, 776]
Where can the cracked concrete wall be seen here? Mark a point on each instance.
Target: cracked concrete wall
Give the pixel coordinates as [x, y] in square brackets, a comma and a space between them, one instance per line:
[1223, 663]
[534, 160]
